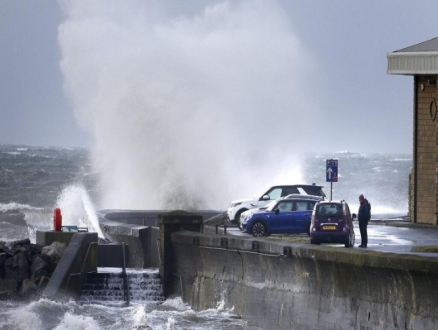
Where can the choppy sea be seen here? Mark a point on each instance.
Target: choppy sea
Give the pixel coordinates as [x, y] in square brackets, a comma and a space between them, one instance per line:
[34, 180]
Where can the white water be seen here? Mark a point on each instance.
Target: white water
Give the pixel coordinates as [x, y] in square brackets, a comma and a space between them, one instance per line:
[77, 209]
[188, 106]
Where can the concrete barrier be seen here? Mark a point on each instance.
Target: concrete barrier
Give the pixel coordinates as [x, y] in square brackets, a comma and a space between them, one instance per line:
[141, 242]
[147, 218]
[79, 258]
[276, 285]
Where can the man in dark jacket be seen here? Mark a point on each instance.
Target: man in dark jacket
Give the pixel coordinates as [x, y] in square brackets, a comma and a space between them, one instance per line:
[363, 216]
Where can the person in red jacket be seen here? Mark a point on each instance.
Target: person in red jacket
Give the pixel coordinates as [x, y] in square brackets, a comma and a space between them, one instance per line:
[363, 216]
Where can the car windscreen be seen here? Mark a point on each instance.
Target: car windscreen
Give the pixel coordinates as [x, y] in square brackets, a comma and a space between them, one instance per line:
[328, 210]
[270, 206]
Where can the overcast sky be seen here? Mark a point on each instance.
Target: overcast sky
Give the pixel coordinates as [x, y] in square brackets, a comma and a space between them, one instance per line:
[322, 63]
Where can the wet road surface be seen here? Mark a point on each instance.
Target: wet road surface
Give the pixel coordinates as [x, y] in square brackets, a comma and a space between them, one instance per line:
[384, 238]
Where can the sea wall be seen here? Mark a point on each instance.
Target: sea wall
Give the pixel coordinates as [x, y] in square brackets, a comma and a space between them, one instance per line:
[276, 285]
[141, 242]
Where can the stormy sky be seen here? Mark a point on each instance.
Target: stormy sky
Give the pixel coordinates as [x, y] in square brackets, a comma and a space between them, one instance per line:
[238, 76]
[185, 104]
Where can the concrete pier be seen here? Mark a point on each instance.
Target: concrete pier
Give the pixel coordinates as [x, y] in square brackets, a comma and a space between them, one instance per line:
[276, 285]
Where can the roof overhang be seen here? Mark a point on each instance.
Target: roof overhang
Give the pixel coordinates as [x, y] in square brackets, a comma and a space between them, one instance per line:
[413, 63]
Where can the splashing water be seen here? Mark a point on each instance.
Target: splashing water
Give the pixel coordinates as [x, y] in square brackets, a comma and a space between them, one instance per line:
[188, 109]
[77, 209]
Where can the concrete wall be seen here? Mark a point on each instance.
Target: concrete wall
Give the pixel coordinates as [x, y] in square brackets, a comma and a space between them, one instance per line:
[139, 231]
[141, 242]
[276, 286]
[146, 217]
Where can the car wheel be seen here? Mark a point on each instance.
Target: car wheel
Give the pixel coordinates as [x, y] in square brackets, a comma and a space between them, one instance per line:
[258, 229]
[351, 239]
[237, 218]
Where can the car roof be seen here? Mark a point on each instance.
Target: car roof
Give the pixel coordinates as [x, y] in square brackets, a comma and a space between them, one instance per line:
[333, 202]
[306, 197]
[298, 185]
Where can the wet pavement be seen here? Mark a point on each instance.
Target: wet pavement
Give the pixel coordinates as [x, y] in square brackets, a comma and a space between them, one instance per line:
[387, 237]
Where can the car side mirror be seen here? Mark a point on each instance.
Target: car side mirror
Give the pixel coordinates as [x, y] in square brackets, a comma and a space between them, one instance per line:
[277, 211]
[265, 198]
[354, 216]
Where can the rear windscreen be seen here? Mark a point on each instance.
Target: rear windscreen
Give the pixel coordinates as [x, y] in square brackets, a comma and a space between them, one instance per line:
[316, 191]
[329, 210]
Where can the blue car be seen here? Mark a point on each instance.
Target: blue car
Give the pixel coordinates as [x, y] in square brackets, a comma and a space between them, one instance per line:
[290, 214]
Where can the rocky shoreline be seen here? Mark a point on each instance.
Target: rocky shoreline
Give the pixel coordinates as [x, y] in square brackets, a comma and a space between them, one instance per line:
[26, 268]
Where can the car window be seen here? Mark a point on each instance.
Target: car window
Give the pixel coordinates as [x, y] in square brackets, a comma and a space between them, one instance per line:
[311, 205]
[290, 190]
[313, 190]
[322, 210]
[334, 209]
[300, 206]
[274, 193]
[285, 206]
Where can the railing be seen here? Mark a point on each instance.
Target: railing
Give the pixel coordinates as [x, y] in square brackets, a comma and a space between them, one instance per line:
[125, 277]
[82, 273]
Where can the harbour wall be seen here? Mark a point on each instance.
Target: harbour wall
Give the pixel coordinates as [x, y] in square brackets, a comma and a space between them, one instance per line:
[273, 284]
[276, 285]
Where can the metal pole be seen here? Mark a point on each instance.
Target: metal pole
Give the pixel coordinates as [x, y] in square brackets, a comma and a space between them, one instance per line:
[125, 276]
[331, 191]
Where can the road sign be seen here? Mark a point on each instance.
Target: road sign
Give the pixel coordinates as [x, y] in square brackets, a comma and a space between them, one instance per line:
[331, 173]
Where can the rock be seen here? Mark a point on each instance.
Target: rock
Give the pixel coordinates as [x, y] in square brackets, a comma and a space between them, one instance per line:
[7, 286]
[42, 281]
[13, 244]
[34, 251]
[55, 251]
[42, 265]
[5, 249]
[16, 267]
[28, 286]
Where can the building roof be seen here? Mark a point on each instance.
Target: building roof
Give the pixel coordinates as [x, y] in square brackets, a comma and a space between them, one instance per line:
[425, 46]
[419, 59]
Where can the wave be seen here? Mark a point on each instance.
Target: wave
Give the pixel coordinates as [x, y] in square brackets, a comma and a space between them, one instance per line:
[17, 206]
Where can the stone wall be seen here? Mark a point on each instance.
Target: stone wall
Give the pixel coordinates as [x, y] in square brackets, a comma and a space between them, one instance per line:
[277, 286]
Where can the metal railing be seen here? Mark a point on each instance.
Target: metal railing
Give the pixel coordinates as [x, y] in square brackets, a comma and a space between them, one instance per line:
[125, 277]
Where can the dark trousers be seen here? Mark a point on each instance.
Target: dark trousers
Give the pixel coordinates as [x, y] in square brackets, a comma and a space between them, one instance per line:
[363, 232]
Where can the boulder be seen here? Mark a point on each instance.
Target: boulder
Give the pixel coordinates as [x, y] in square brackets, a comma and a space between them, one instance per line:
[16, 267]
[28, 286]
[7, 286]
[55, 251]
[42, 265]
[13, 244]
[5, 249]
[42, 281]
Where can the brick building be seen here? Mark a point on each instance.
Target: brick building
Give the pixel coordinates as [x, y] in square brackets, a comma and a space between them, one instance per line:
[421, 62]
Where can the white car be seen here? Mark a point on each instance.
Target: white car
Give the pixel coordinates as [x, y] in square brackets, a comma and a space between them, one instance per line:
[237, 207]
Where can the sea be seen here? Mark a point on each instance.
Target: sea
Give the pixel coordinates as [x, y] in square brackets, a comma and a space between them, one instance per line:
[35, 180]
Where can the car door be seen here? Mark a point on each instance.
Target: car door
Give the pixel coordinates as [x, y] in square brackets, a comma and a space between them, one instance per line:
[302, 212]
[282, 220]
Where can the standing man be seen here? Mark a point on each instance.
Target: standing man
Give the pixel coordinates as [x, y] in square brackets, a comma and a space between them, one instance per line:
[364, 216]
